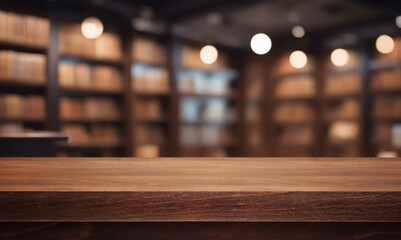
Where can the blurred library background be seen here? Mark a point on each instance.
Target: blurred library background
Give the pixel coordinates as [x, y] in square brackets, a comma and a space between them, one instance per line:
[201, 78]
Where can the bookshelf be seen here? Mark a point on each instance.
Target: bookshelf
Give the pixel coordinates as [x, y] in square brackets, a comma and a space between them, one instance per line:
[23, 73]
[342, 107]
[385, 91]
[23, 32]
[77, 94]
[294, 110]
[255, 107]
[91, 96]
[168, 103]
[208, 98]
[151, 96]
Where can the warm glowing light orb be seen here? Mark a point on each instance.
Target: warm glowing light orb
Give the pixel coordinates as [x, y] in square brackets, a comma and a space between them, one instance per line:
[208, 54]
[298, 31]
[339, 57]
[398, 21]
[92, 27]
[384, 44]
[261, 43]
[298, 59]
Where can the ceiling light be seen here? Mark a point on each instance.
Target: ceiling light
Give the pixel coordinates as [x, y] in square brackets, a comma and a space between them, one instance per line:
[339, 57]
[92, 28]
[298, 59]
[398, 21]
[384, 44]
[298, 31]
[261, 43]
[208, 54]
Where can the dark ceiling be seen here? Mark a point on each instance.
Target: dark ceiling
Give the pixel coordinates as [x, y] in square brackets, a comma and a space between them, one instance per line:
[233, 22]
[320, 18]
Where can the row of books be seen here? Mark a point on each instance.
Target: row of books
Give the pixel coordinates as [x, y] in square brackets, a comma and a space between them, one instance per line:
[296, 135]
[283, 67]
[17, 106]
[344, 139]
[254, 90]
[149, 51]
[194, 110]
[386, 80]
[27, 67]
[148, 109]
[294, 112]
[24, 29]
[150, 79]
[294, 151]
[105, 47]
[203, 152]
[343, 150]
[81, 75]
[97, 134]
[348, 109]
[382, 132]
[343, 132]
[206, 136]
[218, 152]
[98, 152]
[147, 151]
[295, 87]
[202, 84]
[388, 133]
[190, 58]
[254, 76]
[253, 113]
[343, 84]
[149, 134]
[89, 109]
[254, 136]
[387, 107]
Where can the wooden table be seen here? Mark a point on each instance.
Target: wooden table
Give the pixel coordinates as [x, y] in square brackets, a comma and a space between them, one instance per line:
[200, 198]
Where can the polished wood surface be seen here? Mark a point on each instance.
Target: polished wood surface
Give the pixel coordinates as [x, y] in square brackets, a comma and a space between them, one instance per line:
[201, 174]
[201, 189]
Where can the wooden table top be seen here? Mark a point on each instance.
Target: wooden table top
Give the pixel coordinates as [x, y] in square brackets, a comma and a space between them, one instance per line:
[200, 189]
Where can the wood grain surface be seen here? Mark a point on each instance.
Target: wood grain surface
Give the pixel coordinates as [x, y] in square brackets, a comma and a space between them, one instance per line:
[201, 206]
[202, 189]
[200, 174]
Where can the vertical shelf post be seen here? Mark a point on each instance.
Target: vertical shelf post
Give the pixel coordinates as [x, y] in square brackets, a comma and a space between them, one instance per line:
[366, 130]
[52, 95]
[128, 98]
[174, 118]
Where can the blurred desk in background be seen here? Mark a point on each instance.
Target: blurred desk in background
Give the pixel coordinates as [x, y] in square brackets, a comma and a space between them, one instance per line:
[33, 144]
